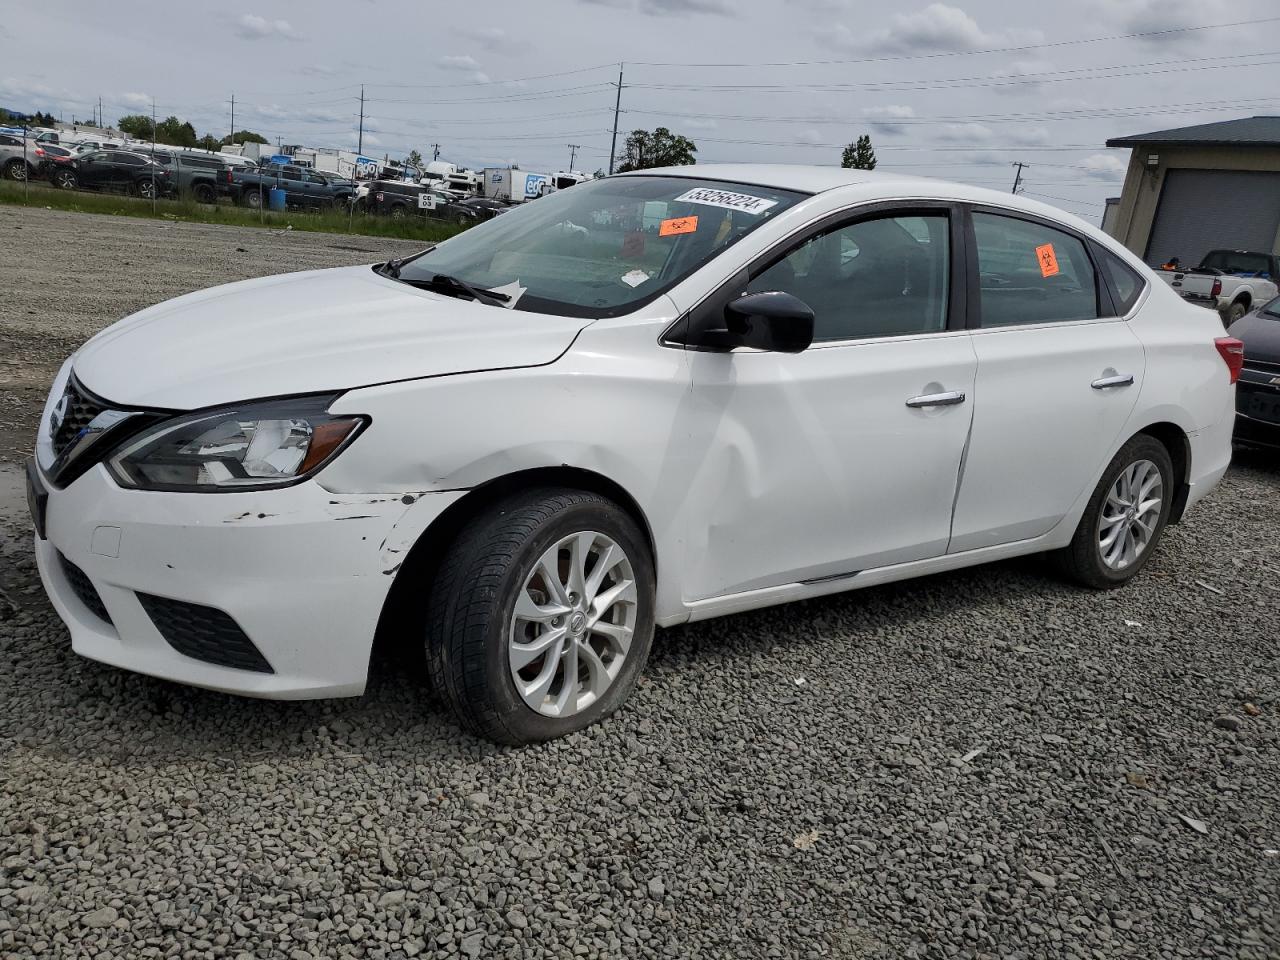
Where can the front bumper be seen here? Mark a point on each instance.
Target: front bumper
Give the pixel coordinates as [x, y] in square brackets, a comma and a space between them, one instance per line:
[303, 573]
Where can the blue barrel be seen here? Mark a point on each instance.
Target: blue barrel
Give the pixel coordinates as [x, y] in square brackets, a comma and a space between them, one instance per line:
[276, 198]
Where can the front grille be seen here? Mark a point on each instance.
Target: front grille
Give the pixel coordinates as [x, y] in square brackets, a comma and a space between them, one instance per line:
[84, 589]
[204, 633]
[1261, 365]
[80, 409]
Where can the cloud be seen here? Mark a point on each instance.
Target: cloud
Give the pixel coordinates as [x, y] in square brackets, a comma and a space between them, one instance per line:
[964, 133]
[464, 64]
[1104, 166]
[667, 8]
[250, 26]
[883, 118]
[938, 28]
[1153, 16]
[493, 39]
[136, 100]
[809, 135]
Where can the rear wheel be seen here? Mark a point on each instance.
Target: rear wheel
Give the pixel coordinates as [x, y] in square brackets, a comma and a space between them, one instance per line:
[64, 179]
[398, 212]
[146, 189]
[1125, 518]
[541, 616]
[1236, 311]
[204, 193]
[252, 198]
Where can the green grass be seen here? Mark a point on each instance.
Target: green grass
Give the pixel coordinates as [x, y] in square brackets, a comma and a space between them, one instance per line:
[188, 211]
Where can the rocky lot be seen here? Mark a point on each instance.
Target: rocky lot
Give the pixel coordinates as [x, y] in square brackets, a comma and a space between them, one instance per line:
[980, 764]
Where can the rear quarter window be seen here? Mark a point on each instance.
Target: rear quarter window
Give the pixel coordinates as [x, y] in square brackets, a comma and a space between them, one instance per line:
[1126, 283]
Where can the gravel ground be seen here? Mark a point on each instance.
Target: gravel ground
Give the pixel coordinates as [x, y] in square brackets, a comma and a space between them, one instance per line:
[980, 764]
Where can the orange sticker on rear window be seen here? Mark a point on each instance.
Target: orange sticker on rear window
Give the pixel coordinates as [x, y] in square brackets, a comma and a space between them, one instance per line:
[670, 228]
[1048, 260]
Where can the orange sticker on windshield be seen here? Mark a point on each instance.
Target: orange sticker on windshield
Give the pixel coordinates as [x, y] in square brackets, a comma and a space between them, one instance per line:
[670, 228]
[1048, 260]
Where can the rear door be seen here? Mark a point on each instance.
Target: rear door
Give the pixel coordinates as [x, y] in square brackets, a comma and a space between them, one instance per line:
[1058, 376]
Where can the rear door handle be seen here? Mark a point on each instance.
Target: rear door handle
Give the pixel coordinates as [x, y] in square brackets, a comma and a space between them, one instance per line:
[937, 399]
[1119, 380]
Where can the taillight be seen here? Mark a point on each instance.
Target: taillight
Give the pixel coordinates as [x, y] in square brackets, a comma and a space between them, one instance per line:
[1232, 352]
[39, 151]
[1216, 290]
[228, 176]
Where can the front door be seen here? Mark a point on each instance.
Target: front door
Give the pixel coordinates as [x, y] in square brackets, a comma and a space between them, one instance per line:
[1057, 380]
[843, 457]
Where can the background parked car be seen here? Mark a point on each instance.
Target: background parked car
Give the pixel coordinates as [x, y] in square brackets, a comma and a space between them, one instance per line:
[115, 170]
[202, 176]
[303, 187]
[399, 199]
[1258, 389]
[17, 157]
[1230, 281]
[486, 207]
[50, 157]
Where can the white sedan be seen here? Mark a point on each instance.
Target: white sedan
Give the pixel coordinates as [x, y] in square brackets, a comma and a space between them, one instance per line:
[652, 399]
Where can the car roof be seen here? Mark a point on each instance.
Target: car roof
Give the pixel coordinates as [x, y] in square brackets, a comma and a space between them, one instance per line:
[862, 185]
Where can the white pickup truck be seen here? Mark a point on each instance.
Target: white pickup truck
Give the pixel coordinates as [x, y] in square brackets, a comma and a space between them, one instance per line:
[1231, 281]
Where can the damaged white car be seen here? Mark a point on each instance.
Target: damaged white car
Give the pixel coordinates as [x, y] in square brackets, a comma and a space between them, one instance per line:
[651, 399]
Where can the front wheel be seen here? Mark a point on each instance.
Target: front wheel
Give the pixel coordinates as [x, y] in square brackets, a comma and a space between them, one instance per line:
[1125, 518]
[16, 170]
[64, 179]
[541, 616]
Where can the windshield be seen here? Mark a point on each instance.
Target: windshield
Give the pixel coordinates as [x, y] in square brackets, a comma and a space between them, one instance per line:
[1272, 309]
[603, 248]
[1231, 262]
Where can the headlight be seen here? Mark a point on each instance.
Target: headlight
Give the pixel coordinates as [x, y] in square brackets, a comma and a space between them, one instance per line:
[254, 446]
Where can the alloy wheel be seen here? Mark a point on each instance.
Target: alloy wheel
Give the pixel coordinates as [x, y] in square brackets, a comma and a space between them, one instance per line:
[572, 625]
[1130, 516]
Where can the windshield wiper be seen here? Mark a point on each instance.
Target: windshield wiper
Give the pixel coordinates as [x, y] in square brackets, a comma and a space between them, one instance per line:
[446, 284]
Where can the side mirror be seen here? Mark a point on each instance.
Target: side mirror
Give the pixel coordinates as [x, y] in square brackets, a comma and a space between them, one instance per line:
[772, 320]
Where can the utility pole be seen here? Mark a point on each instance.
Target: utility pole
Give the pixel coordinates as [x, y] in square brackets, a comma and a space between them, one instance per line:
[153, 156]
[1017, 179]
[100, 111]
[360, 141]
[573, 152]
[435, 148]
[232, 137]
[617, 105]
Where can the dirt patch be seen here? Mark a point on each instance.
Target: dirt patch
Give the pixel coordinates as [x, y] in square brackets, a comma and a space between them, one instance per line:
[76, 274]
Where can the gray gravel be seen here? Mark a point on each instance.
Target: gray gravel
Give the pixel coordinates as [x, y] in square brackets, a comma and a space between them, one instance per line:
[980, 764]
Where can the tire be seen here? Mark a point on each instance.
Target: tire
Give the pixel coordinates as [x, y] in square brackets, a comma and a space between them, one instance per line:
[252, 199]
[204, 193]
[1235, 312]
[461, 220]
[473, 625]
[1085, 560]
[16, 169]
[398, 212]
[146, 189]
[65, 179]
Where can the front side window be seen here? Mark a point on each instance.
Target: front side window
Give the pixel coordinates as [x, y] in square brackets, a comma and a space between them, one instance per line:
[876, 278]
[1030, 273]
[603, 248]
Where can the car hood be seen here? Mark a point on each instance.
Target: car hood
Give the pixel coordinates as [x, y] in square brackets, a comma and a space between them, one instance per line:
[307, 333]
[1261, 337]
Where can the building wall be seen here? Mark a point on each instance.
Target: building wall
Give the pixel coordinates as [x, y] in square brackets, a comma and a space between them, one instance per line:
[1141, 194]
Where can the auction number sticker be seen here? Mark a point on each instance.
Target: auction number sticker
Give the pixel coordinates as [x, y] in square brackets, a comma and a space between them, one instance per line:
[1047, 259]
[743, 202]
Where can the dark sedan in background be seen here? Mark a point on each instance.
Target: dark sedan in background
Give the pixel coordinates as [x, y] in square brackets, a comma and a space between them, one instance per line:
[1258, 390]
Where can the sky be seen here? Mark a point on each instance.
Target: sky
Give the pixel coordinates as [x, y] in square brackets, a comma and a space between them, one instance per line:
[960, 90]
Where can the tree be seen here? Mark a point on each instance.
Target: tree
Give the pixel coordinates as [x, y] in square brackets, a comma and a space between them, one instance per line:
[136, 126]
[245, 136]
[859, 155]
[414, 159]
[662, 148]
[209, 142]
[175, 132]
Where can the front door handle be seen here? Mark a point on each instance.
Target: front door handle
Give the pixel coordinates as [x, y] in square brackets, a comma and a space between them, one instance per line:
[1119, 380]
[937, 399]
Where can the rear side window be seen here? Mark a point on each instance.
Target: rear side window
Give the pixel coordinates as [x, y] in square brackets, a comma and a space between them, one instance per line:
[129, 160]
[1126, 285]
[1030, 273]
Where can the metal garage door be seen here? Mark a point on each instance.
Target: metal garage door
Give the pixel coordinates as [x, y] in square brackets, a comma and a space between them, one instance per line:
[1203, 210]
